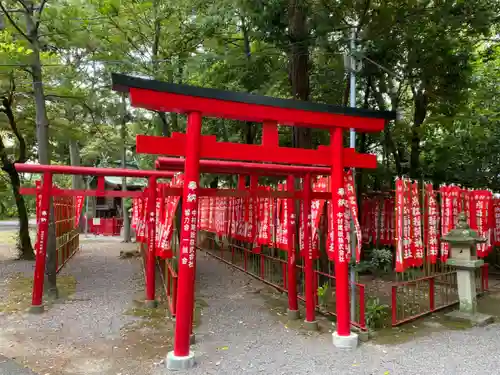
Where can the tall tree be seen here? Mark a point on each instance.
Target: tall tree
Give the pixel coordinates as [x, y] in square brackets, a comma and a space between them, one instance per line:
[7, 107]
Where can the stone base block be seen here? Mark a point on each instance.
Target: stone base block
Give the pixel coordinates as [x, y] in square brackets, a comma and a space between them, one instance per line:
[192, 339]
[475, 319]
[180, 363]
[293, 314]
[150, 304]
[311, 326]
[36, 309]
[345, 342]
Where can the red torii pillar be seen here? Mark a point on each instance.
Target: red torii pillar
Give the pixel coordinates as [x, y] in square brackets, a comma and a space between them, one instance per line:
[197, 102]
[255, 169]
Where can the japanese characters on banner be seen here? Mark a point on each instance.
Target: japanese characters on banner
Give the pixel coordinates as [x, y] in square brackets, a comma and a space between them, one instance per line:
[347, 209]
[480, 203]
[450, 207]
[431, 224]
[353, 211]
[189, 225]
[399, 216]
[417, 246]
[408, 237]
[264, 228]
[317, 206]
[496, 221]
[282, 222]
[79, 206]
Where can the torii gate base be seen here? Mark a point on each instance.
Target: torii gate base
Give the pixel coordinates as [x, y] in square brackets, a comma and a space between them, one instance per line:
[198, 102]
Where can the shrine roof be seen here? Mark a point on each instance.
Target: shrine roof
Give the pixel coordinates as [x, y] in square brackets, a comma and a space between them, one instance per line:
[123, 83]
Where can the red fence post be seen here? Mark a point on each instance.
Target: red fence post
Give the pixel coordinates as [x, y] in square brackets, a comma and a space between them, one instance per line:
[394, 299]
[432, 304]
[181, 357]
[485, 277]
[41, 250]
[362, 307]
[151, 251]
[310, 322]
[342, 338]
[293, 306]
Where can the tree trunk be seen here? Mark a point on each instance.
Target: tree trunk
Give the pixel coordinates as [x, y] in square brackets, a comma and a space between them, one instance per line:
[165, 128]
[360, 186]
[389, 143]
[76, 180]
[24, 245]
[42, 132]
[299, 65]
[24, 241]
[420, 102]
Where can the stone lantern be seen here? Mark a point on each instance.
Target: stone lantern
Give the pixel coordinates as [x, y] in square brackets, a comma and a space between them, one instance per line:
[463, 257]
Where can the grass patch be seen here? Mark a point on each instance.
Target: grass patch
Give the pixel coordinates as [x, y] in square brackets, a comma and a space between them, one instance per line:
[9, 237]
[19, 289]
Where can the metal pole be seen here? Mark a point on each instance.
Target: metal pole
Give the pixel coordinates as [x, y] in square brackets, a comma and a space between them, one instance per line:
[352, 144]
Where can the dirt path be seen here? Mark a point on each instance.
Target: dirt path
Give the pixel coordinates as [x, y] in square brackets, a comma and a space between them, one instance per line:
[96, 328]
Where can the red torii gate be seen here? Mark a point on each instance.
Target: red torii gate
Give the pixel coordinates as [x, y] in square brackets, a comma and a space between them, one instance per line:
[254, 170]
[47, 190]
[198, 102]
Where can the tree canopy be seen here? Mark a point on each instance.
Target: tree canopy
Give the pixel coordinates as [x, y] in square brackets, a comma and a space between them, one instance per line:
[436, 63]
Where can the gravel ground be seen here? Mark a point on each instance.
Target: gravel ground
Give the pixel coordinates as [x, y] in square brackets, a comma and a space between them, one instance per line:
[242, 333]
[10, 367]
[242, 330]
[82, 334]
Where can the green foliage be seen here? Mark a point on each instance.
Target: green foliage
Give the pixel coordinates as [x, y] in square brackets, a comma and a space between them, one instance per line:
[376, 314]
[323, 294]
[437, 65]
[381, 260]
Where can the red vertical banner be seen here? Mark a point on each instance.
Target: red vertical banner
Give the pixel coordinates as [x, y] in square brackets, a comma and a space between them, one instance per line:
[317, 206]
[431, 222]
[365, 220]
[135, 213]
[496, 221]
[282, 224]
[265, 220]
[416, 218]
[408, 257]
[399, 224]
[446, 219]
[141, 231]
[384, 238]
[78, 210]
[352, 204]
[479, 211]
[374, 223]
[151, 230]
[338, 237]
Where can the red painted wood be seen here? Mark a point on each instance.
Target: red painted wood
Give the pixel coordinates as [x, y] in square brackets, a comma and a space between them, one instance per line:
[41, 243]
[231, 167]
[270, 135]
[168, 102]
[171, 191]
[91, 171]
[211, 149]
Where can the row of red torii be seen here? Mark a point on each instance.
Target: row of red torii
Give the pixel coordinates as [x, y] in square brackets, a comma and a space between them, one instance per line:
[195, 149]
